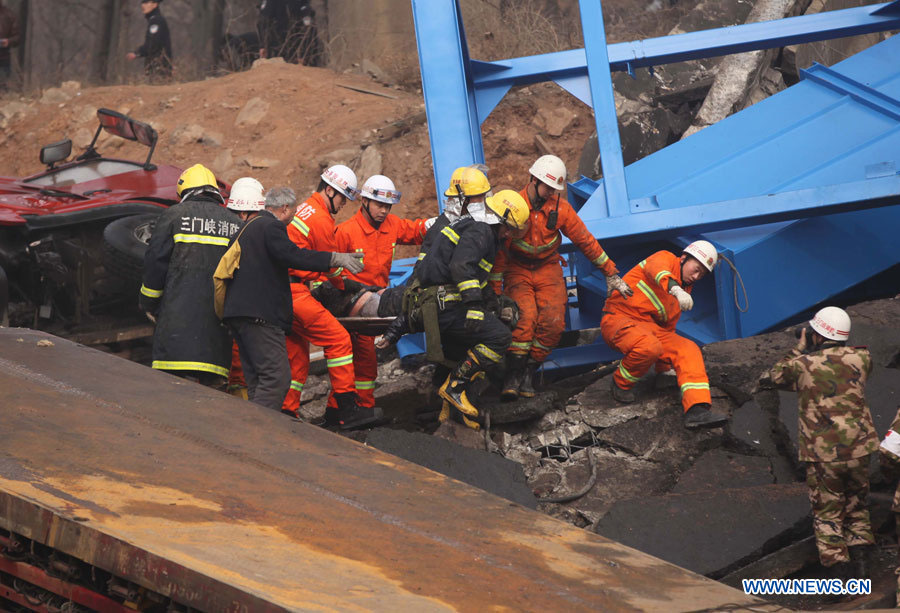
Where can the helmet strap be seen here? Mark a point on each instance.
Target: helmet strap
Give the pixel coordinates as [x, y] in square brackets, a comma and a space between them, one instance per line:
[365, 207]
[537, 201]
[332, 209]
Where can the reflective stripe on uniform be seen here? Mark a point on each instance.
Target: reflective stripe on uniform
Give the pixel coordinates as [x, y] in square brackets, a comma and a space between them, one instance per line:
[465, 285]
[296, 386]
[315, 284]
[487, 352]
[473, 314]
[341, 361]
[485, 265]
[627, 375]
[652, 297]
[540, 345]
[421, 256]
[495, 276]
[298, 223]
[201, 366]
[517, 347]
[601, 260]
[364, 385]
[337, 272]
[694, 386]
[528, 248]
[661, 274]
[201, 239]
[451, 234]
[151, 293]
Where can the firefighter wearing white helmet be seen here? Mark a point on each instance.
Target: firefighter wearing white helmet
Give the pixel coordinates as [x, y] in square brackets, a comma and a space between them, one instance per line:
[313, 228]
[246, 196]
[375, 232]
[642, 327]
[189, 239]
[835, 435]
[527, 268]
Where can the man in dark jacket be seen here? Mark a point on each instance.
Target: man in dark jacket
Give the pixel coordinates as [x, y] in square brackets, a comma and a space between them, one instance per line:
[258, 298]
[157, 47]
[177, 290]
[9, 38]
[287, 28]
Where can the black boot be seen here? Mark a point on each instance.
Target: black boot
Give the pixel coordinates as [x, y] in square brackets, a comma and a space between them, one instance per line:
[621, 395]
[526, 389]
[349, 415]
[859, 561]
[454, 388]
[515, 368]
[700, 416]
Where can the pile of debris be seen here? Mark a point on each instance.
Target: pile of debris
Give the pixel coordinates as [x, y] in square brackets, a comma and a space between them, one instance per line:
[714, 501]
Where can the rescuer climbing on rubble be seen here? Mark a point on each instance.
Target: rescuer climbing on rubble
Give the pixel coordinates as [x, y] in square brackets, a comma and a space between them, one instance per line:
[835, 436]
[374, 232]
[253, 293]
[448, 294]
[642, 326]
[530, 272]
[313, 228]
[184, 250]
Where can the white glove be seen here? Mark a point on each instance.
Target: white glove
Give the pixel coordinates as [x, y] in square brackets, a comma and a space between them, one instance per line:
[150, 316]
[351, 262]
[615, 283]
[684, 299]
[429, 222]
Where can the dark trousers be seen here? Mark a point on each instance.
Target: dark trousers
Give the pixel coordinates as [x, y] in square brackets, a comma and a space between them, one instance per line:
[489, 342]
[264, 360]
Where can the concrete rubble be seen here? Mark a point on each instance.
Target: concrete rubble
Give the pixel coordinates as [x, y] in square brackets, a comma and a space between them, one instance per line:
[711, 500]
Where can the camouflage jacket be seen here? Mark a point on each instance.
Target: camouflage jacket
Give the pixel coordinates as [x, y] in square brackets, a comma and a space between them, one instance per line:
[835, 423]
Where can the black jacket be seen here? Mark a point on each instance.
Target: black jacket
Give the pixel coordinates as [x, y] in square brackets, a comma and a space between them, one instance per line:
[461, 254]
[187, 243]
[260, 288]
[157, 47]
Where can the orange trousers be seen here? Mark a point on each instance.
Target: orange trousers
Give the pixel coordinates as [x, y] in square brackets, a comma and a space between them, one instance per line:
[365, 367]
[314, 324]
[645, 344]
[541, 295]
[236, 384]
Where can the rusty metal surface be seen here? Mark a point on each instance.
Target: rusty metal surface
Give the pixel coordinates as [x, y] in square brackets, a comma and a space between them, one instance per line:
[230, 507]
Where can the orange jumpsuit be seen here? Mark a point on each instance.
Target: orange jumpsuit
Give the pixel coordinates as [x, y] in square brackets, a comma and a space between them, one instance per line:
[377, 246]
[313, 228]
[531, 272]
[643, 328]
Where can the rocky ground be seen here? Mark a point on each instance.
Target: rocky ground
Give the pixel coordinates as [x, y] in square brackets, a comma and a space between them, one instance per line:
[725, 502]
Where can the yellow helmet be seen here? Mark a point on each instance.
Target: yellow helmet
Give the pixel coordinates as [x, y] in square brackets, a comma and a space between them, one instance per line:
[510, 207]
[194, 177]
[470, 181]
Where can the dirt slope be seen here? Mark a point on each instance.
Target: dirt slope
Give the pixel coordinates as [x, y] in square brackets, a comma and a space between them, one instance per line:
[283, 123]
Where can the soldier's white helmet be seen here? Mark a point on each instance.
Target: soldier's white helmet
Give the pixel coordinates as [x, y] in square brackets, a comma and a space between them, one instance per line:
[703, 252]
[551, 170]
[832, 323]
[380, 188]
[246, 195]
[342, 179]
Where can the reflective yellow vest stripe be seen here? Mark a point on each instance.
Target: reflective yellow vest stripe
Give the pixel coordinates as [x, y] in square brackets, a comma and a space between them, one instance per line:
[200, 366]
[651, 295]
[201, 239]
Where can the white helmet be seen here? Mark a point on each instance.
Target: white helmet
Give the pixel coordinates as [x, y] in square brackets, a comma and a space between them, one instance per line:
[703, 252]
[246, 195]
[380, 188]
[342, 179]
[832, 322]
[551, 170]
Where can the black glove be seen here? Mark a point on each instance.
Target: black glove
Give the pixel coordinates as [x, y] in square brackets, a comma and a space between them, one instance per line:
[508, 312]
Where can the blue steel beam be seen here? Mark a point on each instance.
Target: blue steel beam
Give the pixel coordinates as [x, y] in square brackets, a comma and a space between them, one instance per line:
[744, 212]
[566, 65]
[450, 107]
[604, 104]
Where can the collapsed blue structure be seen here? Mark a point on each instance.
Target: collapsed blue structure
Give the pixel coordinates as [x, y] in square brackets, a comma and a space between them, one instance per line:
[797, 190]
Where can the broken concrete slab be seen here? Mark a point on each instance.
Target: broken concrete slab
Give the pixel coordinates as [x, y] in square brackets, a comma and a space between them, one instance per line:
[521, 409]
[718, 469]
[487, 471]
[711, 532]
[736, 365]
[600, 410]
[752, 430]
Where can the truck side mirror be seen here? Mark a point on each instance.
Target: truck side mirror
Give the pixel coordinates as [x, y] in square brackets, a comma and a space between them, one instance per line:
[56, 152]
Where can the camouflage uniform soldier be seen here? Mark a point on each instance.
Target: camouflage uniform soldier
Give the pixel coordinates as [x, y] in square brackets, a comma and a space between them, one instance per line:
[836, 434]
[890, 468]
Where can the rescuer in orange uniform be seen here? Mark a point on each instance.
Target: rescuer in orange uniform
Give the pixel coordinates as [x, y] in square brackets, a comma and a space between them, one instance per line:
[313, 228]
[531, 274]
[375, 232]
[643, 328]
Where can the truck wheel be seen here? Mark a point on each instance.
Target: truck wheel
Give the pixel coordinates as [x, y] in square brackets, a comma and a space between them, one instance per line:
[125, 241]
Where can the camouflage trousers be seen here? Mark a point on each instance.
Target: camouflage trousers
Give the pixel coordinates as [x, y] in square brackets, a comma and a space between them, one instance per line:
[837, 492]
